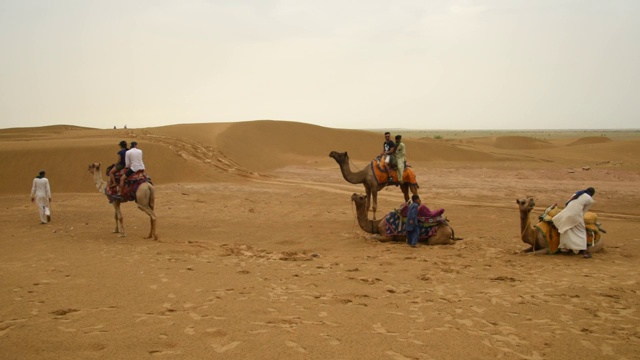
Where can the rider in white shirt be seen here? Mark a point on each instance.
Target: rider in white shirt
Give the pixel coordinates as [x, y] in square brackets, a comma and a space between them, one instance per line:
[133, 163]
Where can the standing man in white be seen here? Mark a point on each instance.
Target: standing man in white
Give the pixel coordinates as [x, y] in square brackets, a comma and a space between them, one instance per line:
[41, 196]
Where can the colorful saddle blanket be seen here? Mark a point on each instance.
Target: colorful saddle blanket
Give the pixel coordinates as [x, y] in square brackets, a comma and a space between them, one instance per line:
[131, 185]
[396, 225]
[384, 175]
[552, 235]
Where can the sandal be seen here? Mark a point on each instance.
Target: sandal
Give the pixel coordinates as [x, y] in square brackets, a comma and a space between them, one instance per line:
[586, 255]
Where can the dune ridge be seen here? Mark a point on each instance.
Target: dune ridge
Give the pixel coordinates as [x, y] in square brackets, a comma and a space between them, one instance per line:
[221, 151]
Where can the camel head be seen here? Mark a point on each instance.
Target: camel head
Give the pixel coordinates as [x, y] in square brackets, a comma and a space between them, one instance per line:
[94, 168]
[526, 205]
[340, 158]
[359, 199]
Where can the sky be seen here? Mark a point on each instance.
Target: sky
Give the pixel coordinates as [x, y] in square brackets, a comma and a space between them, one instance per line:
[366, 64]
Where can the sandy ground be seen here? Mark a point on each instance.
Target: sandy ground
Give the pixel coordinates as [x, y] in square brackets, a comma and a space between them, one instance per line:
[259, 254]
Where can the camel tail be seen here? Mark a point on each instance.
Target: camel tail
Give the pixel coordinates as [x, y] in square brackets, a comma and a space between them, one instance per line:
[453, 235]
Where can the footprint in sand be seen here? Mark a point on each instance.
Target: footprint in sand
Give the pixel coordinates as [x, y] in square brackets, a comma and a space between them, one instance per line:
[295, 346]
[331, 339]
[223, 348]
[396, 356]
[378, 328]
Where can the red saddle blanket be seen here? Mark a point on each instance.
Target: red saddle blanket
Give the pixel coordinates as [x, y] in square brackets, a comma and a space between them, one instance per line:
[131, 185]
[385, 175]
[395, 224]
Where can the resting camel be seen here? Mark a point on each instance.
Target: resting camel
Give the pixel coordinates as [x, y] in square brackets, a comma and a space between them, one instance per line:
[528, 233]
[144, 198]
[443, 236]
[367, 178]
[533, 237]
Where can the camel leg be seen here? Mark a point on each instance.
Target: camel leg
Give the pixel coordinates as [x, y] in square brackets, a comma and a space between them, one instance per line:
[537, 252]
[453, 235]
[119, 219]
[443, 236]
[374, 207]
[371, 194]
[152, 219]
[405, 191]
[145, 202]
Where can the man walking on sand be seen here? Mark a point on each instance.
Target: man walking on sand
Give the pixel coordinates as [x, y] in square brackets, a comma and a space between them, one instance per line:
[41, 196]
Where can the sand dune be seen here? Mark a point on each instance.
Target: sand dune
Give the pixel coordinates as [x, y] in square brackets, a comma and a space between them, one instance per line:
[260, 255]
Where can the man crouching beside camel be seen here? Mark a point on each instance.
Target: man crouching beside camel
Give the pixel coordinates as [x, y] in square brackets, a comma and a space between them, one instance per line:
[570, 230]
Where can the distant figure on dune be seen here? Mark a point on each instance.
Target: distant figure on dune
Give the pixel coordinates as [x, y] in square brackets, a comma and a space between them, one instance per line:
[41, 196]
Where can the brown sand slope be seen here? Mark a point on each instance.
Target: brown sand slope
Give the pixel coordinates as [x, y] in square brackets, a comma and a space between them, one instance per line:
[260, 255]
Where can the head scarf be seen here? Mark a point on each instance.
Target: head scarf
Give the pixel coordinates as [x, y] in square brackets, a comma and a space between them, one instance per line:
[590, 191]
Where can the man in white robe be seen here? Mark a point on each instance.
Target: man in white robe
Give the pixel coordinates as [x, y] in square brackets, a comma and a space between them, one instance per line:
[41, 195]
[570, 222]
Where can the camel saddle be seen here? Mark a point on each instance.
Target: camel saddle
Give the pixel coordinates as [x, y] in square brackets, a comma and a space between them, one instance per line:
[552, 236]
[384, 174]
[131, 185]
[395, 222]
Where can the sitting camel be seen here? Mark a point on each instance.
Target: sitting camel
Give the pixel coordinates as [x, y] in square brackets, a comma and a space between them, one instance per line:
[144, 198]
[528, 233]
[369, 180]
[444, 233]
[535, 235]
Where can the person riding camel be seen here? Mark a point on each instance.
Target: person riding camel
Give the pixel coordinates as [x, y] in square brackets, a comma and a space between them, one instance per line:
[133, 160]
[388, 148]
[400, 156]
[119, 164]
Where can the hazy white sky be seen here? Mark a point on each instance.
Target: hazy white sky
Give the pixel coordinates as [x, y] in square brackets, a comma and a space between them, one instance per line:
[485, 64]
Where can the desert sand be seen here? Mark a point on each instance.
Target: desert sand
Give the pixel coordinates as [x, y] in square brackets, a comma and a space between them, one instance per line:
[260, 257]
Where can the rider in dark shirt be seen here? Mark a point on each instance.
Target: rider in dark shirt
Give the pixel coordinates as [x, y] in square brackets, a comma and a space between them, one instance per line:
[388, 147]
[119, 164]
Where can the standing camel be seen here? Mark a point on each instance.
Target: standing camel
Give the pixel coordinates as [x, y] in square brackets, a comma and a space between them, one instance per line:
[367, 178]
[144, 199]
[444, 233]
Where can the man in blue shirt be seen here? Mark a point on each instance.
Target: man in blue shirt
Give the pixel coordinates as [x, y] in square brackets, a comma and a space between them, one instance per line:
[413, 225]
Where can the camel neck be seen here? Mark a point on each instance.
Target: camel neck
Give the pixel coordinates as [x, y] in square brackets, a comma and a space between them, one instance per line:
[370, 226]
[350, 176]
[101, 185]
[524, 222]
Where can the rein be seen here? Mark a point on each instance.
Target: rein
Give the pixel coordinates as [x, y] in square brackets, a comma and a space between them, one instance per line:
[526, 226]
